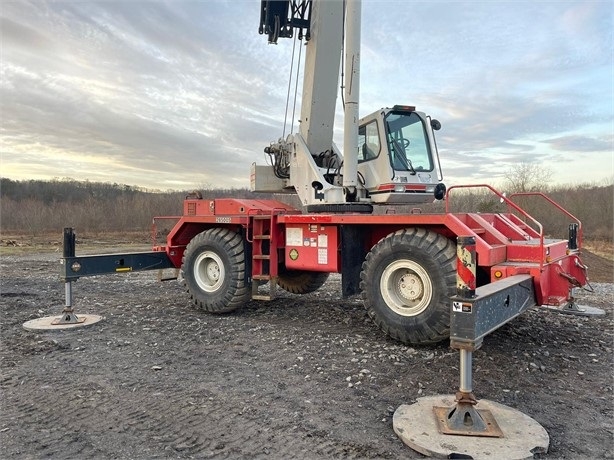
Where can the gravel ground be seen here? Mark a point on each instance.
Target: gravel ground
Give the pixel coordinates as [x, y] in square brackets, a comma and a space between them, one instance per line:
[299, 377]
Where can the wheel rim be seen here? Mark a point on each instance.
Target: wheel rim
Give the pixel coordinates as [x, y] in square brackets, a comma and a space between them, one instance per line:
[209, 271]
[406, 288]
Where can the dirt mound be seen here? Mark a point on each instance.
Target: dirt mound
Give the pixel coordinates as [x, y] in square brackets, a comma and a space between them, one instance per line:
[600, 269]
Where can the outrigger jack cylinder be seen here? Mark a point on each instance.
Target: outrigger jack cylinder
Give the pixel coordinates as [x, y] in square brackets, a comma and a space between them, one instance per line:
[68, 319]
[463, 418]
[68, 314]
[460, 426]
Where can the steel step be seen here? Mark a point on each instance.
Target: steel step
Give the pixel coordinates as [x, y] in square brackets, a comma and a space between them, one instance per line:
[261, 297]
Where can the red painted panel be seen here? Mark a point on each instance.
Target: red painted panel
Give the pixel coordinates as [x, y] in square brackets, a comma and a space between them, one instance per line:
[312, 247]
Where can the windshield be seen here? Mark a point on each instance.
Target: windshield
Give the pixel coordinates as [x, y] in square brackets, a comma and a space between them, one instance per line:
[409, 148]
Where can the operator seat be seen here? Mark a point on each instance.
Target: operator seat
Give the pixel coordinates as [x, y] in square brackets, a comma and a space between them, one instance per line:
[369, 151]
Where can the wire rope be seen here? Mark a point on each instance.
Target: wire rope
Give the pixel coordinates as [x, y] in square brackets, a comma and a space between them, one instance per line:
[343, 56]
[298, 68]
[289, 86]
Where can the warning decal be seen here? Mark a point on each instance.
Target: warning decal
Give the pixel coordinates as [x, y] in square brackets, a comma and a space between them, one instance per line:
[460, 307]
[322, 257]
[294, 236]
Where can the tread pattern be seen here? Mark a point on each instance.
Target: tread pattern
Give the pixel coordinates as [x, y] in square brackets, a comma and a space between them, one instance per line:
[437, 255]
[230, 247]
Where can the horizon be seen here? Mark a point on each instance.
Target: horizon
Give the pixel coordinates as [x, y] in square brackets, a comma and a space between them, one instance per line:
[605, 182]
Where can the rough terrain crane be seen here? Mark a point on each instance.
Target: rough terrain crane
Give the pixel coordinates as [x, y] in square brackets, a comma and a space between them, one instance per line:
[404, 265]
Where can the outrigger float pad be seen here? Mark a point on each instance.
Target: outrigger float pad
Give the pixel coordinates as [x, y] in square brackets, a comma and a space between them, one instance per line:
[578, 310]
[418, 427]
[53, 323]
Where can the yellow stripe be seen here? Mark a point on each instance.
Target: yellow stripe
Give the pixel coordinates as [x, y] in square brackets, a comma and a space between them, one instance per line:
[124, 269]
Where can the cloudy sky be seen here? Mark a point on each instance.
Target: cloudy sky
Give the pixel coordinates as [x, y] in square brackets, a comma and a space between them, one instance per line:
[182, 94]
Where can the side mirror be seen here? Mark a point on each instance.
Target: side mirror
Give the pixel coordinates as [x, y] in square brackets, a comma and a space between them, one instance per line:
[435, 125]
[440, 191]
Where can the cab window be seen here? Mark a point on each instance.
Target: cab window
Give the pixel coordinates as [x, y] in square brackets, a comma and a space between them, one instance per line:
[368, 142]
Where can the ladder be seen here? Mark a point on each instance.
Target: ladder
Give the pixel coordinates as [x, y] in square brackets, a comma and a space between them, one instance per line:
[265, 236]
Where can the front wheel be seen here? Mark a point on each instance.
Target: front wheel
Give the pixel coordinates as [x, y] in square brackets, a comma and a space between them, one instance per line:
[407, 280]
[213, 269]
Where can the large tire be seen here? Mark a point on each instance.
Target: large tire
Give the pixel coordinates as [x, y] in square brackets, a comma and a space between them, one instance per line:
[301, 281]
[407, 280]
[213, 269]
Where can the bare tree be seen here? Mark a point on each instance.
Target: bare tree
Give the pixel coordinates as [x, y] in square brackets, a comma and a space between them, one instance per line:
[528, 177]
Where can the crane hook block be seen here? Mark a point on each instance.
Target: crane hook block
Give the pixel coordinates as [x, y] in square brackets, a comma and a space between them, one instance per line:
[279, 18]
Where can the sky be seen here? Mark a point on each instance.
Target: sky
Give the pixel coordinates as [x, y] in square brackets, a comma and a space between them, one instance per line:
[186, 94]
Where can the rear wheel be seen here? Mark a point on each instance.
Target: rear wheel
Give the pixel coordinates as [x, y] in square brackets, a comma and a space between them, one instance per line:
[301, 281]
[407, 280]
[213, 269]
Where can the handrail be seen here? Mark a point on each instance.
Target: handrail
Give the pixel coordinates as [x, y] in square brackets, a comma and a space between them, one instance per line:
[509, 204]
[275, 211]
[249, 223]
[557, 206]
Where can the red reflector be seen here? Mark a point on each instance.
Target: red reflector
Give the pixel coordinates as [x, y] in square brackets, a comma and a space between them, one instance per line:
[408, 187]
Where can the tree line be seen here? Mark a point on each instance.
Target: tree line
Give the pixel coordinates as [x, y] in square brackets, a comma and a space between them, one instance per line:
[36, 207]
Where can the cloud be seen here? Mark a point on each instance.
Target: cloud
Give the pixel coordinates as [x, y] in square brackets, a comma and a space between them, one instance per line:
[580, 144]
[150, 98]
[182, 92]
[22, 36]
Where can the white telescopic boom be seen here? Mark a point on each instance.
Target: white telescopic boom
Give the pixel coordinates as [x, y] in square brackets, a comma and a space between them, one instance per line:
[321, 78]
[352, 89]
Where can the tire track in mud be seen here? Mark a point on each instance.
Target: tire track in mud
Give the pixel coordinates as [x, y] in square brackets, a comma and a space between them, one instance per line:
[73, 421]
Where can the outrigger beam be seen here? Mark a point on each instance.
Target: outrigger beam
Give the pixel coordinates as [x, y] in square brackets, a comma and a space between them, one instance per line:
[74, 267]
[493, 305]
